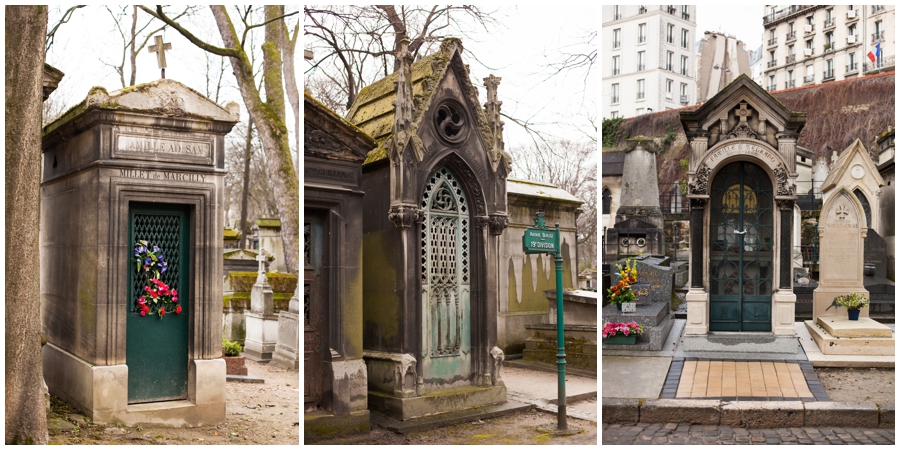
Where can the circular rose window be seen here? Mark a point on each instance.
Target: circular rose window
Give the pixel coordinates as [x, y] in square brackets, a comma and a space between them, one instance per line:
[450, 122]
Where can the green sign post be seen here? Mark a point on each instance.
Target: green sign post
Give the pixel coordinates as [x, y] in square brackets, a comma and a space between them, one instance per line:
[540, 239]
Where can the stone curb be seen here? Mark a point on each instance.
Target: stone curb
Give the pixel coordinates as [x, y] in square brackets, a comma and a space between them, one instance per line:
[748, 414]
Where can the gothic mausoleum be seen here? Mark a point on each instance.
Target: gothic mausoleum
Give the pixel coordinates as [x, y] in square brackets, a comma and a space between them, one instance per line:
[434, 211]
[742, 192]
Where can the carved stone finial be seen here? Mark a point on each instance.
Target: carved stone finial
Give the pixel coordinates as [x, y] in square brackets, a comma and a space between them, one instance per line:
[492, 111]
[403, 130]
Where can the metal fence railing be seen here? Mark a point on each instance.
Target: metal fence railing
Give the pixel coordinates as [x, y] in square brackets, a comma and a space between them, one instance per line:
[672, 198]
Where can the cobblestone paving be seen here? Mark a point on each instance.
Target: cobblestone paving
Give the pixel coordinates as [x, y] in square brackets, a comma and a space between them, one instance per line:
[673, 433]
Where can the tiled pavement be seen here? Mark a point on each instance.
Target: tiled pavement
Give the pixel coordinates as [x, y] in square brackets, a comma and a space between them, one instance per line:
[743, 380]
[671, 433]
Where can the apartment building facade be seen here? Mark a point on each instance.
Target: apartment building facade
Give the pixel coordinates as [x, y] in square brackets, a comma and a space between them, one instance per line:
[648, 58]
[810, 44]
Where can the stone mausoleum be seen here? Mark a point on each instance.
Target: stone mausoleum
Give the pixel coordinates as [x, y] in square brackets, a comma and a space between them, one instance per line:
[742, 193]
[434, 212]
[143, 163]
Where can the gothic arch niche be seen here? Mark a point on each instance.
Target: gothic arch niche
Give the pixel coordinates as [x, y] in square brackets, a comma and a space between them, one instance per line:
[446, 252]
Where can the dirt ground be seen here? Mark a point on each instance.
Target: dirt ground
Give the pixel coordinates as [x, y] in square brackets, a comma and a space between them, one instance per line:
[515, 429]
[858, 385]
[267, 413]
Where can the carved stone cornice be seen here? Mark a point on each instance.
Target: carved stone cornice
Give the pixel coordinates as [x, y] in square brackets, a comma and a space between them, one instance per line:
[785, 203]
[403, 216]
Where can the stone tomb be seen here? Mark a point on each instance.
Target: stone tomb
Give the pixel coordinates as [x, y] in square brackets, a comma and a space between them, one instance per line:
[143, 163]
[842, 229]
[652, 310]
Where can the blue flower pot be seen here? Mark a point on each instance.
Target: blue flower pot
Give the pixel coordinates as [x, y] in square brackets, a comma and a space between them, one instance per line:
[853, 313]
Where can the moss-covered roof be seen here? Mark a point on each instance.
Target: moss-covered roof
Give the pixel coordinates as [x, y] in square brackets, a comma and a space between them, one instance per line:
[268, 222]
[231, 233]
[373, 110]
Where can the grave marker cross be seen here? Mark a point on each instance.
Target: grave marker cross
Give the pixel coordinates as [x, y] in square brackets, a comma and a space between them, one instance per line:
[160, 50]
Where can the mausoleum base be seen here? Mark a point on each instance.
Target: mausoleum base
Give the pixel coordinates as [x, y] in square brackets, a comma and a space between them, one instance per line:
[436, 402]
[831, 344]
[101, 392]
[735, 342]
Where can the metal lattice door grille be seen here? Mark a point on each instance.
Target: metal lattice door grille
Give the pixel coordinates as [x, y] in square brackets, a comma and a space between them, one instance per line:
[741, 249]
[163, 231]
[445, 263]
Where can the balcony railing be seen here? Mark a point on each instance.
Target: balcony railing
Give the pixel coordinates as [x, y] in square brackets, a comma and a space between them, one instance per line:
[617, 44]
[829, 23]
[668, 67]
[615, 70]
[773, 41]
[790, 59]
[887, 61]
[685, 16]
[771, 88]
[671, 10]
[852, 38]
[877, 8]
[642, 10]
[617, 17]
[640, 95]
[877, 36]
[670, 39]
[642, 38]
[829, 48]
[852, 67]
[809, 79]
[771, 64]
[788, 84]
[827, 75]
[641, 67]
[684, 99]
[791, 36]
[615, 100]
[684, 71]
[784, 13]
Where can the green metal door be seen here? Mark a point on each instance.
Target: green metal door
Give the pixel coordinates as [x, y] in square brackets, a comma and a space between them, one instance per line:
[157, 348]
[445, 281]
[740, 249]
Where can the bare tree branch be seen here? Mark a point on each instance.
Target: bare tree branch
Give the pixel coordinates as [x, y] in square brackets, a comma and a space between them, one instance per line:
[52, 33]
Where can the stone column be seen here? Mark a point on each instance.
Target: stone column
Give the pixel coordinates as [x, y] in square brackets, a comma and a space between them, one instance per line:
[784, 300]
[787, 146]
[697, 298]
[699, 144]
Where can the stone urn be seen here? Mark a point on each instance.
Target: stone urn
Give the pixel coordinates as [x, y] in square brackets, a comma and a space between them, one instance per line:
[234, 365]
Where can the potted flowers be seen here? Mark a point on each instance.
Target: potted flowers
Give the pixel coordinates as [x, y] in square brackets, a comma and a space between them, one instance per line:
[622, 292]
[853, 301]
[622, 333]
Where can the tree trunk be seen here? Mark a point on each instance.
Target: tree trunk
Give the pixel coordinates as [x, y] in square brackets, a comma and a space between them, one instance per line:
[248, 153]
[290, 82]
[26, 419]
[268, 117]
[134, 17]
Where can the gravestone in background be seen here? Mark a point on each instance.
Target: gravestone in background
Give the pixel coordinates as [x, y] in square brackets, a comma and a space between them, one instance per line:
[875, 253]
[261, 321]
[142, 163]
[841, 255]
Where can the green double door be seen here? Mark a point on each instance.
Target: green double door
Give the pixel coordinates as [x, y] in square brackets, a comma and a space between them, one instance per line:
[157, 348]
[741, 249]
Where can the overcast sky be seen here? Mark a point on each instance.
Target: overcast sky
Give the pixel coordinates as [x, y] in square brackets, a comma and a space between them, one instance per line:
[89, 41]
[742, 21]
[518, 50]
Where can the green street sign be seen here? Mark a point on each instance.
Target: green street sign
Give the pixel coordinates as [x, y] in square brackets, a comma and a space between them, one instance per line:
[540, 239]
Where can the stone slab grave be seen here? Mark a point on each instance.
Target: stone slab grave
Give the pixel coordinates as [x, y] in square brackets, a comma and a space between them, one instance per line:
[145, 163]
[579, 332]
[842, 230]
[652, 310]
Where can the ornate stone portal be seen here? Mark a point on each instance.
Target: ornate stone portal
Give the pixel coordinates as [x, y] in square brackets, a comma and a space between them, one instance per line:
[741, 186]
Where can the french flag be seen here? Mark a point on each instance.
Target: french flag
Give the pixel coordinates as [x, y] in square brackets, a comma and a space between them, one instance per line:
[875, 53]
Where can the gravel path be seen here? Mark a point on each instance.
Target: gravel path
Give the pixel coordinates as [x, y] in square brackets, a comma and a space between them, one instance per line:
[267, 413]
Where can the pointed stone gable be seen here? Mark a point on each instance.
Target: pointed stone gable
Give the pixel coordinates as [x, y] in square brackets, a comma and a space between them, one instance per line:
[374, 110]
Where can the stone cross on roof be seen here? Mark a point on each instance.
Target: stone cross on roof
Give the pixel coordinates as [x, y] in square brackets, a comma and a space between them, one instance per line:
[160, 50]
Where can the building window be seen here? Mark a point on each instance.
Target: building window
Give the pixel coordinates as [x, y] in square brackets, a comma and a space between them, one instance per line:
[669, 56]
[790, 80]
[669, 84]
[617, 38]
[683, 89]
[607, 200]
[670, 34]
[640, 89]
[615, 65]
[684, 38]
[878, 36]
[829, 42]
[771, 83]
[618, 12]
[614, 115]
[851, 62]
[810, 75]
[615, 93]
[639, 112]
[829, 69]
[684, 65]
[642, 33]
[641, 61]
[829, 17]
